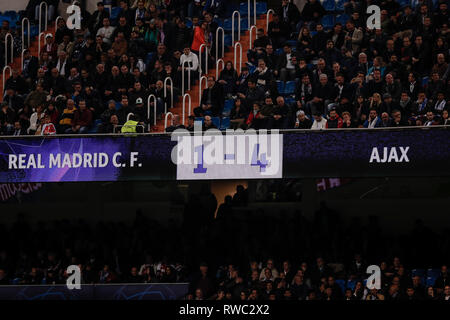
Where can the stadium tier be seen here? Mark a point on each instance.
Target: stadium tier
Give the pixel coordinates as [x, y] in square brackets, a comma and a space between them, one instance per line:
[168, 105]
[129, 67]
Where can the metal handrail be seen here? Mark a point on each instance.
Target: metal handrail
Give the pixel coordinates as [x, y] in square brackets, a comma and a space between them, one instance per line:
[9, 35]
[200, 59]
[22, 54]
[4, 76]
[250, 35]
[56, 22]
[182, 76]
[165, 119]
[200, 87]
[155, 101]
[217, 42]
[40, 16]
[184, 105]
[267, 18]
[249, 13]
[238, 44]
[217, 67]
[128, 115]
[232, 26]
[165, 93]
[39, 43]
[23, 33]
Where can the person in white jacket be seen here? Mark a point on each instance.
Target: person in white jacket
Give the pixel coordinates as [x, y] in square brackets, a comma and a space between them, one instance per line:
[319, 122]
[189, 61]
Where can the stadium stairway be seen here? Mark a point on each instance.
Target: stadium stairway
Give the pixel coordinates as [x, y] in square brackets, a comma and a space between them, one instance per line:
[194, 92]
[16, 64]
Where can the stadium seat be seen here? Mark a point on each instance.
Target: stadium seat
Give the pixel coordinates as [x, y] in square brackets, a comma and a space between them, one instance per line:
[261, 8]
[328, 21]
[227, 24]
[115, 13]
[342, 18]
[289, 88]
[251, 69]
[313, 33]
[118, 105]
[425, 81]
[433, 273]
[227, 40]
[279, 51]
[280, 86]
[216, 121]
[403, 3]
[149, 57]
[289, 100]
[340, 5]
[95, 126]
[430, 281]
[341, 284]
[329, 5]
[418, 272]
[228, 105]
[225, 123]
[351, 284]
[292, 43]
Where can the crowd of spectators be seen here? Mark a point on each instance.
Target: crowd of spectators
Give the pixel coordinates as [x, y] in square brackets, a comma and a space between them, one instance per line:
[344, 74]
[243, 253]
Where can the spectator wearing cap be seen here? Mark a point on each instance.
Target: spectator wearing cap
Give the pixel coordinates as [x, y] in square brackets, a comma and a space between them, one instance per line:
[140, 111]
[50, 47]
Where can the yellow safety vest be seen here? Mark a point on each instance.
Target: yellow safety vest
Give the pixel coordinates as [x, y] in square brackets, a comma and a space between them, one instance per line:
[129, 126]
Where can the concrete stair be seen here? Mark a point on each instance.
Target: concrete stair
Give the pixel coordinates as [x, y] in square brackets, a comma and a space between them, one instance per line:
[16, 64]
[194, 92]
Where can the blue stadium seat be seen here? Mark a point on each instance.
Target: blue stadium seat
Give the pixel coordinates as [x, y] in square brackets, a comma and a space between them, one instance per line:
[118, 105]
[261, 8]
[364, 283]
[216, 121]
[225, 123]
[189, 23]
[149, 57]
[227, 40]
[34, 30]
[430, 281]
[228, 105]
[342, 18]
[329, 5]
[251, 69]
[313, 33]
[328, 21]
[425, 81]
[115, 13]
[292, 43]
[341, 284]
[280, 86]
[243, 9]
[340, 5]
[95, 126]
[403, 2]
[351, 284]
[289, 100]
[433, 273]
[279, 51]
[289, 88]
[418, 272]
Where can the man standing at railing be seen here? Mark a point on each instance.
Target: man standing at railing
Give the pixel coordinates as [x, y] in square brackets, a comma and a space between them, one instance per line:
[189, 61]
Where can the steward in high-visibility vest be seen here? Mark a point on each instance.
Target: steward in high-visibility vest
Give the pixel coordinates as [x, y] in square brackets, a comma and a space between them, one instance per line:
[130, 125]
